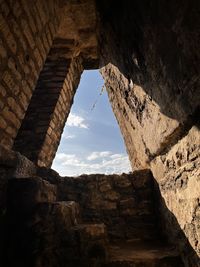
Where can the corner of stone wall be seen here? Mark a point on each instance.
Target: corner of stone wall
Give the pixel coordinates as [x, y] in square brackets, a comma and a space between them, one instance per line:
[177, 173]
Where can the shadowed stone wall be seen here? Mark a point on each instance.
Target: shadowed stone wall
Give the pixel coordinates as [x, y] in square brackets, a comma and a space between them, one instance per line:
[29, 32]
[150, 65]
[90, 220]
[26, 35]
[124, 203]
[41, 130]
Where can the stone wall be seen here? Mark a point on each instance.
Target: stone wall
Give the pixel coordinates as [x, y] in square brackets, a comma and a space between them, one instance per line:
[79, 221]
[26, 35]
[149, 51]
[178, 175]
[124, 203]
[41, 130]
[145, 129]
[170, 150]
[150, 65]
[155, 44]
[57, 38]
[12, 164]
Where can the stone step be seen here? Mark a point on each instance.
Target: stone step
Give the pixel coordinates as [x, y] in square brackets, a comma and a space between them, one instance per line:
[82, 245]
[92, 240]
[45, 232]
[16, 165]
[64, 214]
[25, 193]
[144, 228]
[138, 254]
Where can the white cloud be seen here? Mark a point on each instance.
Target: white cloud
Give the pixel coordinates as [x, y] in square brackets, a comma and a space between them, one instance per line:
[67, 159]
[73, 165]
[65, 136]
[76, 121]
[115, 156]
[96, 155]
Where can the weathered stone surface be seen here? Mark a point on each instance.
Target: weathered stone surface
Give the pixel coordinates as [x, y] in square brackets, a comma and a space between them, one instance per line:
[46, 235]
[178, 175]
[27, 192]
[85, 245]
[57, 232]
[146, 130]
[20, 166]
[22, 57]
[77, 34]
[93, 241]
[153, 85]
[137, 254]
[156, 48]
[122, 202]
[12, 165]
[40, 132]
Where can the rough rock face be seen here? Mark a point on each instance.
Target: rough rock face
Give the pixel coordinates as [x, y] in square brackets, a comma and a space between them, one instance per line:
[150, 65]
[155, 44]
[94, 220]
[145, 129]
[123, 203]
[170, 148]
[12, 164]
[178, 176]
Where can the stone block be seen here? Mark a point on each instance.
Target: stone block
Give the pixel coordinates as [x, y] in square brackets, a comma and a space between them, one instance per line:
[14, 68]
[9, 116]
[15, 107]
[25, 193]
[5, 30]
[3, 123]
[38, 58]
[2, 90]
[61, 215]
[93, 241]
[8, 79]
[3, 52]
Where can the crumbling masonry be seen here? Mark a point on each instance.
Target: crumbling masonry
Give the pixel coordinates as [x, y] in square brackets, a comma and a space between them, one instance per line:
[148, 54]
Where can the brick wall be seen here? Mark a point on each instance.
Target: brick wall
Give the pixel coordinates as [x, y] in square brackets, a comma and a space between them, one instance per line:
[27, 29]
[41, 130]
[124, 203]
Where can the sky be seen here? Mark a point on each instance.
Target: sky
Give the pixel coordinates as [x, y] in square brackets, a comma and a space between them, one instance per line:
[91, 141]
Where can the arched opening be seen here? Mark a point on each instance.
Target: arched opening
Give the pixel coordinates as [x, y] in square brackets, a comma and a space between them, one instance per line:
[91, 141]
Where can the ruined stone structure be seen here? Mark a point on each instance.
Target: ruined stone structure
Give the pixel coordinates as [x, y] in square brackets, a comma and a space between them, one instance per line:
[148, 54]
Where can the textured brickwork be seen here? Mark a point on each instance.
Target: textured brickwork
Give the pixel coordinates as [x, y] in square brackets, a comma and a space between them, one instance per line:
[128, 197]
[26, 36]
[41, 130]
[90, 220]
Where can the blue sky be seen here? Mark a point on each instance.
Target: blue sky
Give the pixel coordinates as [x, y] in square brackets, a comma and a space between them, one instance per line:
[91, 141]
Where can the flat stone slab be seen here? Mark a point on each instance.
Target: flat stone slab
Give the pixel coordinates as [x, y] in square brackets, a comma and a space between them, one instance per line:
[25, 193]
[150, 254]
[92, 230]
